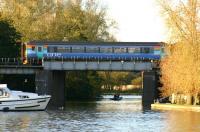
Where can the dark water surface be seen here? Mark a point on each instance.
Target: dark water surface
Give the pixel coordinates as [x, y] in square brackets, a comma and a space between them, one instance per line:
[106, 115]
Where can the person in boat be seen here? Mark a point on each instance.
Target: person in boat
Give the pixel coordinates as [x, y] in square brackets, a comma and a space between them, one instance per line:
[116, 96]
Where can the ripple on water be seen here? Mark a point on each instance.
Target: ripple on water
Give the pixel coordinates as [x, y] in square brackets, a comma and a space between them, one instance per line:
[101, 116]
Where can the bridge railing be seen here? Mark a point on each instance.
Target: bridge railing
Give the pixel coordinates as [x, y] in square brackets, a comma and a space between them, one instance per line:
[19, 62]
[78, 58]
[11, 61]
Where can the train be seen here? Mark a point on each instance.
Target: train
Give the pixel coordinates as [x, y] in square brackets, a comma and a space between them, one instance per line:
[115, 51]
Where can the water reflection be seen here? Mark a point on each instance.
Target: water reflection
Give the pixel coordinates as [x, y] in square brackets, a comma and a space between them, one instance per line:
[183, 120]
[102, 116]
[20, 121]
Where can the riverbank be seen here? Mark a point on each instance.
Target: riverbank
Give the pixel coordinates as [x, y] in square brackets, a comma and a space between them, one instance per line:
[175, 107]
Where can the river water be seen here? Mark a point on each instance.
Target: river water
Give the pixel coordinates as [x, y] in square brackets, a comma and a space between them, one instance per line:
[104, 115]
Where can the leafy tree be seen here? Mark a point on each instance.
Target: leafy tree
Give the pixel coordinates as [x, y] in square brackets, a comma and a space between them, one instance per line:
[8, 40]
[73, 20]
[82, 85]
[49, 20]
[111, 79]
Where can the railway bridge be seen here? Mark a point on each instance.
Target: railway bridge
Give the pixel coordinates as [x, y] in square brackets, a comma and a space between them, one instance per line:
[50, 72]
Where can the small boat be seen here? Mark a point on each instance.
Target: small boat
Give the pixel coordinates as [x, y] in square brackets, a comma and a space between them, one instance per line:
[116, 97]
[11, 100]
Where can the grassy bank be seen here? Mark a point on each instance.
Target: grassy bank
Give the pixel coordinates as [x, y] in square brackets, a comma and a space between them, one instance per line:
[176, 107]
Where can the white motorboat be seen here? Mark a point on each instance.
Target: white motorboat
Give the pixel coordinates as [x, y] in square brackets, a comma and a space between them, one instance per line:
[20, 101]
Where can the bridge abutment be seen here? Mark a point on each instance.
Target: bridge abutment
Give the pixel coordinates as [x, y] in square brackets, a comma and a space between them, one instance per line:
[51, 83]
[150, 88]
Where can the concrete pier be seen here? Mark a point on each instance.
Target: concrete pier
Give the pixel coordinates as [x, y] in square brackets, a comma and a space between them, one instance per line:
[51, 83]
[150, 89]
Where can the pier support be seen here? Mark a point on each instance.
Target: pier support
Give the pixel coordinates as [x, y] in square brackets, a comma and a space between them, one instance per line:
[150, 88]
[52, 83]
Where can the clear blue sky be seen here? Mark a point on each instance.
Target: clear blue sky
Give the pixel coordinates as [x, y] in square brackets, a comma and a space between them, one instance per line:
[138, 20]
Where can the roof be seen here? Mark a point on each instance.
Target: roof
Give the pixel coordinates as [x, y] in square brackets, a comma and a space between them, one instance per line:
[97, 43]
[3, 85]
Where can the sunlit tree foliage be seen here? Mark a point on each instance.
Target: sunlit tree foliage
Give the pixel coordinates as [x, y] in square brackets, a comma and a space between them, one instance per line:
[180, 68]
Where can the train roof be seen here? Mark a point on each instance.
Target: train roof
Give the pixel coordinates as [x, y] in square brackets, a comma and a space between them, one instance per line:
[96, 43]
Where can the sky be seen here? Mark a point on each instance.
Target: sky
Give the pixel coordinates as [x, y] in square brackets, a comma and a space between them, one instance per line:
[137, 20]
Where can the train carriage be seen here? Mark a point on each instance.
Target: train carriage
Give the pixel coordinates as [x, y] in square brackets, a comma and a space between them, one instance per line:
[146, 51]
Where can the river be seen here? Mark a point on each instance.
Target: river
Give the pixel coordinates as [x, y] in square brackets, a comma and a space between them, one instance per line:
[104, 115]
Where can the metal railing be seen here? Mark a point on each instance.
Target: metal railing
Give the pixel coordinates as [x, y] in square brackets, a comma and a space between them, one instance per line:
[19, 62]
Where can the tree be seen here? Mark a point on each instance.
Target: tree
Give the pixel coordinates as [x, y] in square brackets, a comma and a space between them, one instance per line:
[180, 68]
[73, 20]
[82, 85]
[56, 20]
[8, 40]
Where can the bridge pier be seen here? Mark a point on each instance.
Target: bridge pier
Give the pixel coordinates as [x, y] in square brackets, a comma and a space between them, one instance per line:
[150, 88]
[52, 83]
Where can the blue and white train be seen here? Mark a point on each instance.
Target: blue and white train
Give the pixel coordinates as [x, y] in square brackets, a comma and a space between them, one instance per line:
[93, 50]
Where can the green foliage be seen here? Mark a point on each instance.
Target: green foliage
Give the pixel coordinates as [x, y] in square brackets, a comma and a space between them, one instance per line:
[111, 79]
[24, 83]
[137, 81]
[71, 21]
[74, 20]
[8, 39]
[82, 85]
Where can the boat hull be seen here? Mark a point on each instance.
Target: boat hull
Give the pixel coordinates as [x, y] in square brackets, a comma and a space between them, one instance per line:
[25, 104]
[116, 99]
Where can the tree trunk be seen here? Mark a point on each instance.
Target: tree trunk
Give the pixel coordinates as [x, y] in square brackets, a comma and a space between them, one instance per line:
[195, 99]
[189, 100]
[173, 99]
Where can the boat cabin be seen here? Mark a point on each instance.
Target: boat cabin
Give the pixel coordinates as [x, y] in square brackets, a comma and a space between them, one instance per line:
[4, 91]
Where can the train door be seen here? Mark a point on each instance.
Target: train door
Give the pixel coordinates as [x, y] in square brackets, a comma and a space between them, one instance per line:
[40, 52]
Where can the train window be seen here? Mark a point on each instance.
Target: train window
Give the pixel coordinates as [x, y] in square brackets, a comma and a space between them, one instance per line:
[78, 49]
[61, 49]
[67, 49]
[33, 48]
[50, 49]
[145, 50]
[162, 50]
[105, 49]
[119, 50]
[55, 49]
[133, 50]
[92, 49]
[39, 49]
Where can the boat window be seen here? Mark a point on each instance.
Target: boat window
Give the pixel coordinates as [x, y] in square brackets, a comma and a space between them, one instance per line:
[1, 92]
[23, 96]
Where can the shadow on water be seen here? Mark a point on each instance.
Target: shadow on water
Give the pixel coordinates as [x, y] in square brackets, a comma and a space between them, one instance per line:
[146, 107]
